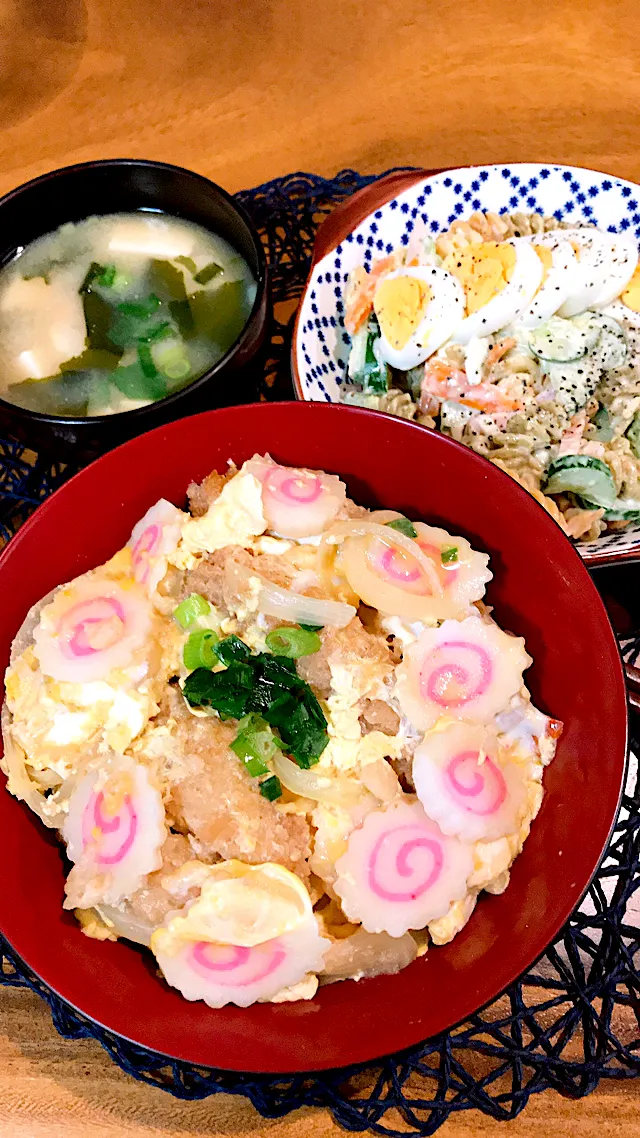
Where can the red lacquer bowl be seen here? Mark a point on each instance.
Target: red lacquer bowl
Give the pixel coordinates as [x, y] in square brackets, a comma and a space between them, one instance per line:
[540, 590]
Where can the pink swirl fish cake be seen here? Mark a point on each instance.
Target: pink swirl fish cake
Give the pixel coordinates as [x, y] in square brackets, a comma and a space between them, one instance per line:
[400, 871]
[93, 625]
[153, 538]
[467, 786]
[466, 669]
[115, 830]
[296, 503]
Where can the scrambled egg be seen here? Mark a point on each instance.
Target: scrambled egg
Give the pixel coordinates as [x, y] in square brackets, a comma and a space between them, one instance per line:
[239, 904]
[56, 723]
[235, 518]
[348, 749]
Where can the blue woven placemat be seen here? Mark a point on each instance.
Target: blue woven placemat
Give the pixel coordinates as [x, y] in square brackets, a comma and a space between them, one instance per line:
[560, 1026]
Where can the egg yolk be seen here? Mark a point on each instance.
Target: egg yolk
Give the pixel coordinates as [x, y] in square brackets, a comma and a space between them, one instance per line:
[400, 305]
[483, 271]
[546, 256]
[631, 295]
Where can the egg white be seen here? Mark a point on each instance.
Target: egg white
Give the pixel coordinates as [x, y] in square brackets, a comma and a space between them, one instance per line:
[604, 266]
[555, 289]
[443, 313]
[507, 305]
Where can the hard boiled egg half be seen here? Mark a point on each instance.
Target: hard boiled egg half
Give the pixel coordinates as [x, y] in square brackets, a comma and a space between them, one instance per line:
[499, 280]
[604, 265]
[418, 309]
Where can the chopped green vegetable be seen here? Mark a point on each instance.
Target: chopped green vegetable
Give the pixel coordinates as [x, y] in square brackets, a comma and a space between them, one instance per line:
[158, 332]
[232, 648]
[312, 627]
[375, 372]
[403, 525]
[199, 651]
[132, 382]
[293, 642]
[172, 360]
[208, 273]
[582, 474]
[98, 315]
[220, 314]
[255, 743]
[67, 396]
[190, 609]
[141, 309]
[271, 788]
[94, 272]
[181, 313]
[266, 684]
[92, 358]
[188, 263]
[147, 363]
[450, 555]
[302, 725]
[167, 280]
[227, 692]
[602, 423]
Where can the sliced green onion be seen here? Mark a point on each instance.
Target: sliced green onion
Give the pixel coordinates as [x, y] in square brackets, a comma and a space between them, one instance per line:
[450, 555]
[208, 273]
[188, 263]
[312, 627]
[147, 362]
[403, 525]
[293, 642]
[255, 743]
[199, 651]
[173, 361]
[271, 788]
[190, 609]
[232, 648]
[132, 382]
[158, 332]
[140, 309]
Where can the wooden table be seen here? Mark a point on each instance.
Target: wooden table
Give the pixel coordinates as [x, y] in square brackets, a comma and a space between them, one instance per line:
[244, 90]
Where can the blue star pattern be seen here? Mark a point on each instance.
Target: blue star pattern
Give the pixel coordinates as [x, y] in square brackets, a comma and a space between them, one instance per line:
[568, 193]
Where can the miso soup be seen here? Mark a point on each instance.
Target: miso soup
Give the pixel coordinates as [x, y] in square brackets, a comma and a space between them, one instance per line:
[116, 312]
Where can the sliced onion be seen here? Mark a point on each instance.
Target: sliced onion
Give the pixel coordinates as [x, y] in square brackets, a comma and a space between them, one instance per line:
[126, 925]
[314, 784]
[285, 605]
[391, 538]
[288, 605]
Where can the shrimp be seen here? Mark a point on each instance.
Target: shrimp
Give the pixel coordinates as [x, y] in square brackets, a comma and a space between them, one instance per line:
[445, 381]
[496, 353]
[361, 289]
[572, 437]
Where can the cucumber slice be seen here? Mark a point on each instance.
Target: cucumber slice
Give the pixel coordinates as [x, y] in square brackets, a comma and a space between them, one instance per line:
[573, 383]
[611, 348]
[602, 422]
[584, 475]
[633, 434]
[561, 341]
[366, 368]
[623, 510]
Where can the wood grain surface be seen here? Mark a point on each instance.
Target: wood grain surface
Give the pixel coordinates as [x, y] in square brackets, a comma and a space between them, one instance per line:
[242, 91]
